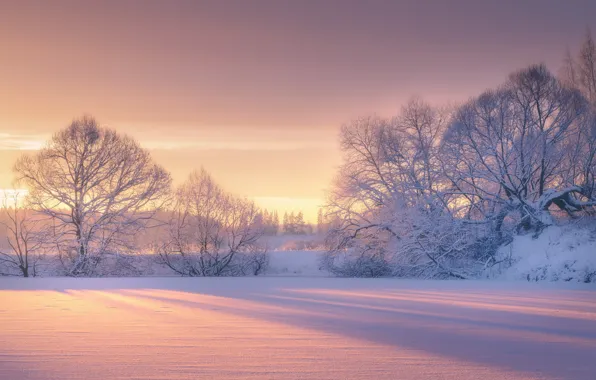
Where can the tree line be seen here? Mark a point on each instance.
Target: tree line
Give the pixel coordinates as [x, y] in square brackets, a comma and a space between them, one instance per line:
[92, 192]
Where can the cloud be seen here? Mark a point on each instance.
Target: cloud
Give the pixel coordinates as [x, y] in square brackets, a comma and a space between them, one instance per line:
[233, 138]
[21, 142]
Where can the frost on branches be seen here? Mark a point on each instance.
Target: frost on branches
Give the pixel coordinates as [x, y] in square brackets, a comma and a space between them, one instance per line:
[213, 233]
[96, 188]
[433, 193]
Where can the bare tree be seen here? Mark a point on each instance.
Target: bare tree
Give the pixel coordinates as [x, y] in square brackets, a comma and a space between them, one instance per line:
[24, 237]
[580, 72]
[389, 166]
[96, 186]
[434, 195]
[213, 233]
[505, 151]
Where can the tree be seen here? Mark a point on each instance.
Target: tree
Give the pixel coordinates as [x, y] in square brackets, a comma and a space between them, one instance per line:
[270, 222]
[300, 226]
[97, 187]
[321, 225]
[289, 223]
[275, 222]
[429, 192]
[286, 223]
[580, 72]
[505, 150]
[213, 233]
[389, 165]
[294, 224]
[24, 237]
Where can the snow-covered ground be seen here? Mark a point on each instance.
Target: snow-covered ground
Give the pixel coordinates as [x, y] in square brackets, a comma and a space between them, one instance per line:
[295, 263]
[295, 328]
[565, 253]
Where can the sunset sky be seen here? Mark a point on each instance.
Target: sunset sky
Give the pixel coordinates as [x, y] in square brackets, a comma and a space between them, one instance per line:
[255, 91]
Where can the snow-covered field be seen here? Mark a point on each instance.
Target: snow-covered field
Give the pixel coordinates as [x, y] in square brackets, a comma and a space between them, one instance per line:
[295, 263]
[295, 328]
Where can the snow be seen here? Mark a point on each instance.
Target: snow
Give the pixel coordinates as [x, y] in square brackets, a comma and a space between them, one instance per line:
[295, 328]
[281, 263]
[295, 263]
[566, 253]
[287, 242]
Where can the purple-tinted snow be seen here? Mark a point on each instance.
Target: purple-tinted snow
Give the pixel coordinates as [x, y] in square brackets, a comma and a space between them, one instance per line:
[295, 328]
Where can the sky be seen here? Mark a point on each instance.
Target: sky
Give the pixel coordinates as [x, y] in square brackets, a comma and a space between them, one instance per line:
[255, 91]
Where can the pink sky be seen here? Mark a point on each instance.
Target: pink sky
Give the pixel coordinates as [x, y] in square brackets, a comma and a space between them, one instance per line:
[255, 91]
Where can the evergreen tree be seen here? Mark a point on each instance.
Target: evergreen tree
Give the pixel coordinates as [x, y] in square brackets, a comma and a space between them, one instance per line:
[320, 222]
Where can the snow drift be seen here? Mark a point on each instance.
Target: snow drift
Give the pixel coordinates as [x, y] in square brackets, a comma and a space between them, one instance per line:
[566, 253]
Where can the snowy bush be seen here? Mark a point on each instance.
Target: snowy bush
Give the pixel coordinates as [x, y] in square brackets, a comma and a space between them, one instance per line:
[357, 261]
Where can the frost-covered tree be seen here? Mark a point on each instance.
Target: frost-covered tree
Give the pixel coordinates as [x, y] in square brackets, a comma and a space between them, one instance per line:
[270, 222]
[24, 236]
[388, 166]
[433, 193]
[213, 233]
[508, 150]
[294, 224]
[96, 186]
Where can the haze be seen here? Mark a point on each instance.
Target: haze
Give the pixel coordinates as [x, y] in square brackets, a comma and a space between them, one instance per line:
[255, 91]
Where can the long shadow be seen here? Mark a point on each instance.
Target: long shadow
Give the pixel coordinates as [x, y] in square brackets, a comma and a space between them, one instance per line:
[548, 325]
[556, 347]
[549, 345]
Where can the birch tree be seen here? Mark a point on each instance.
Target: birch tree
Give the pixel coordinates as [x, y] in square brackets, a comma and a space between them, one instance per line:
[96, 187]
[24, 236]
